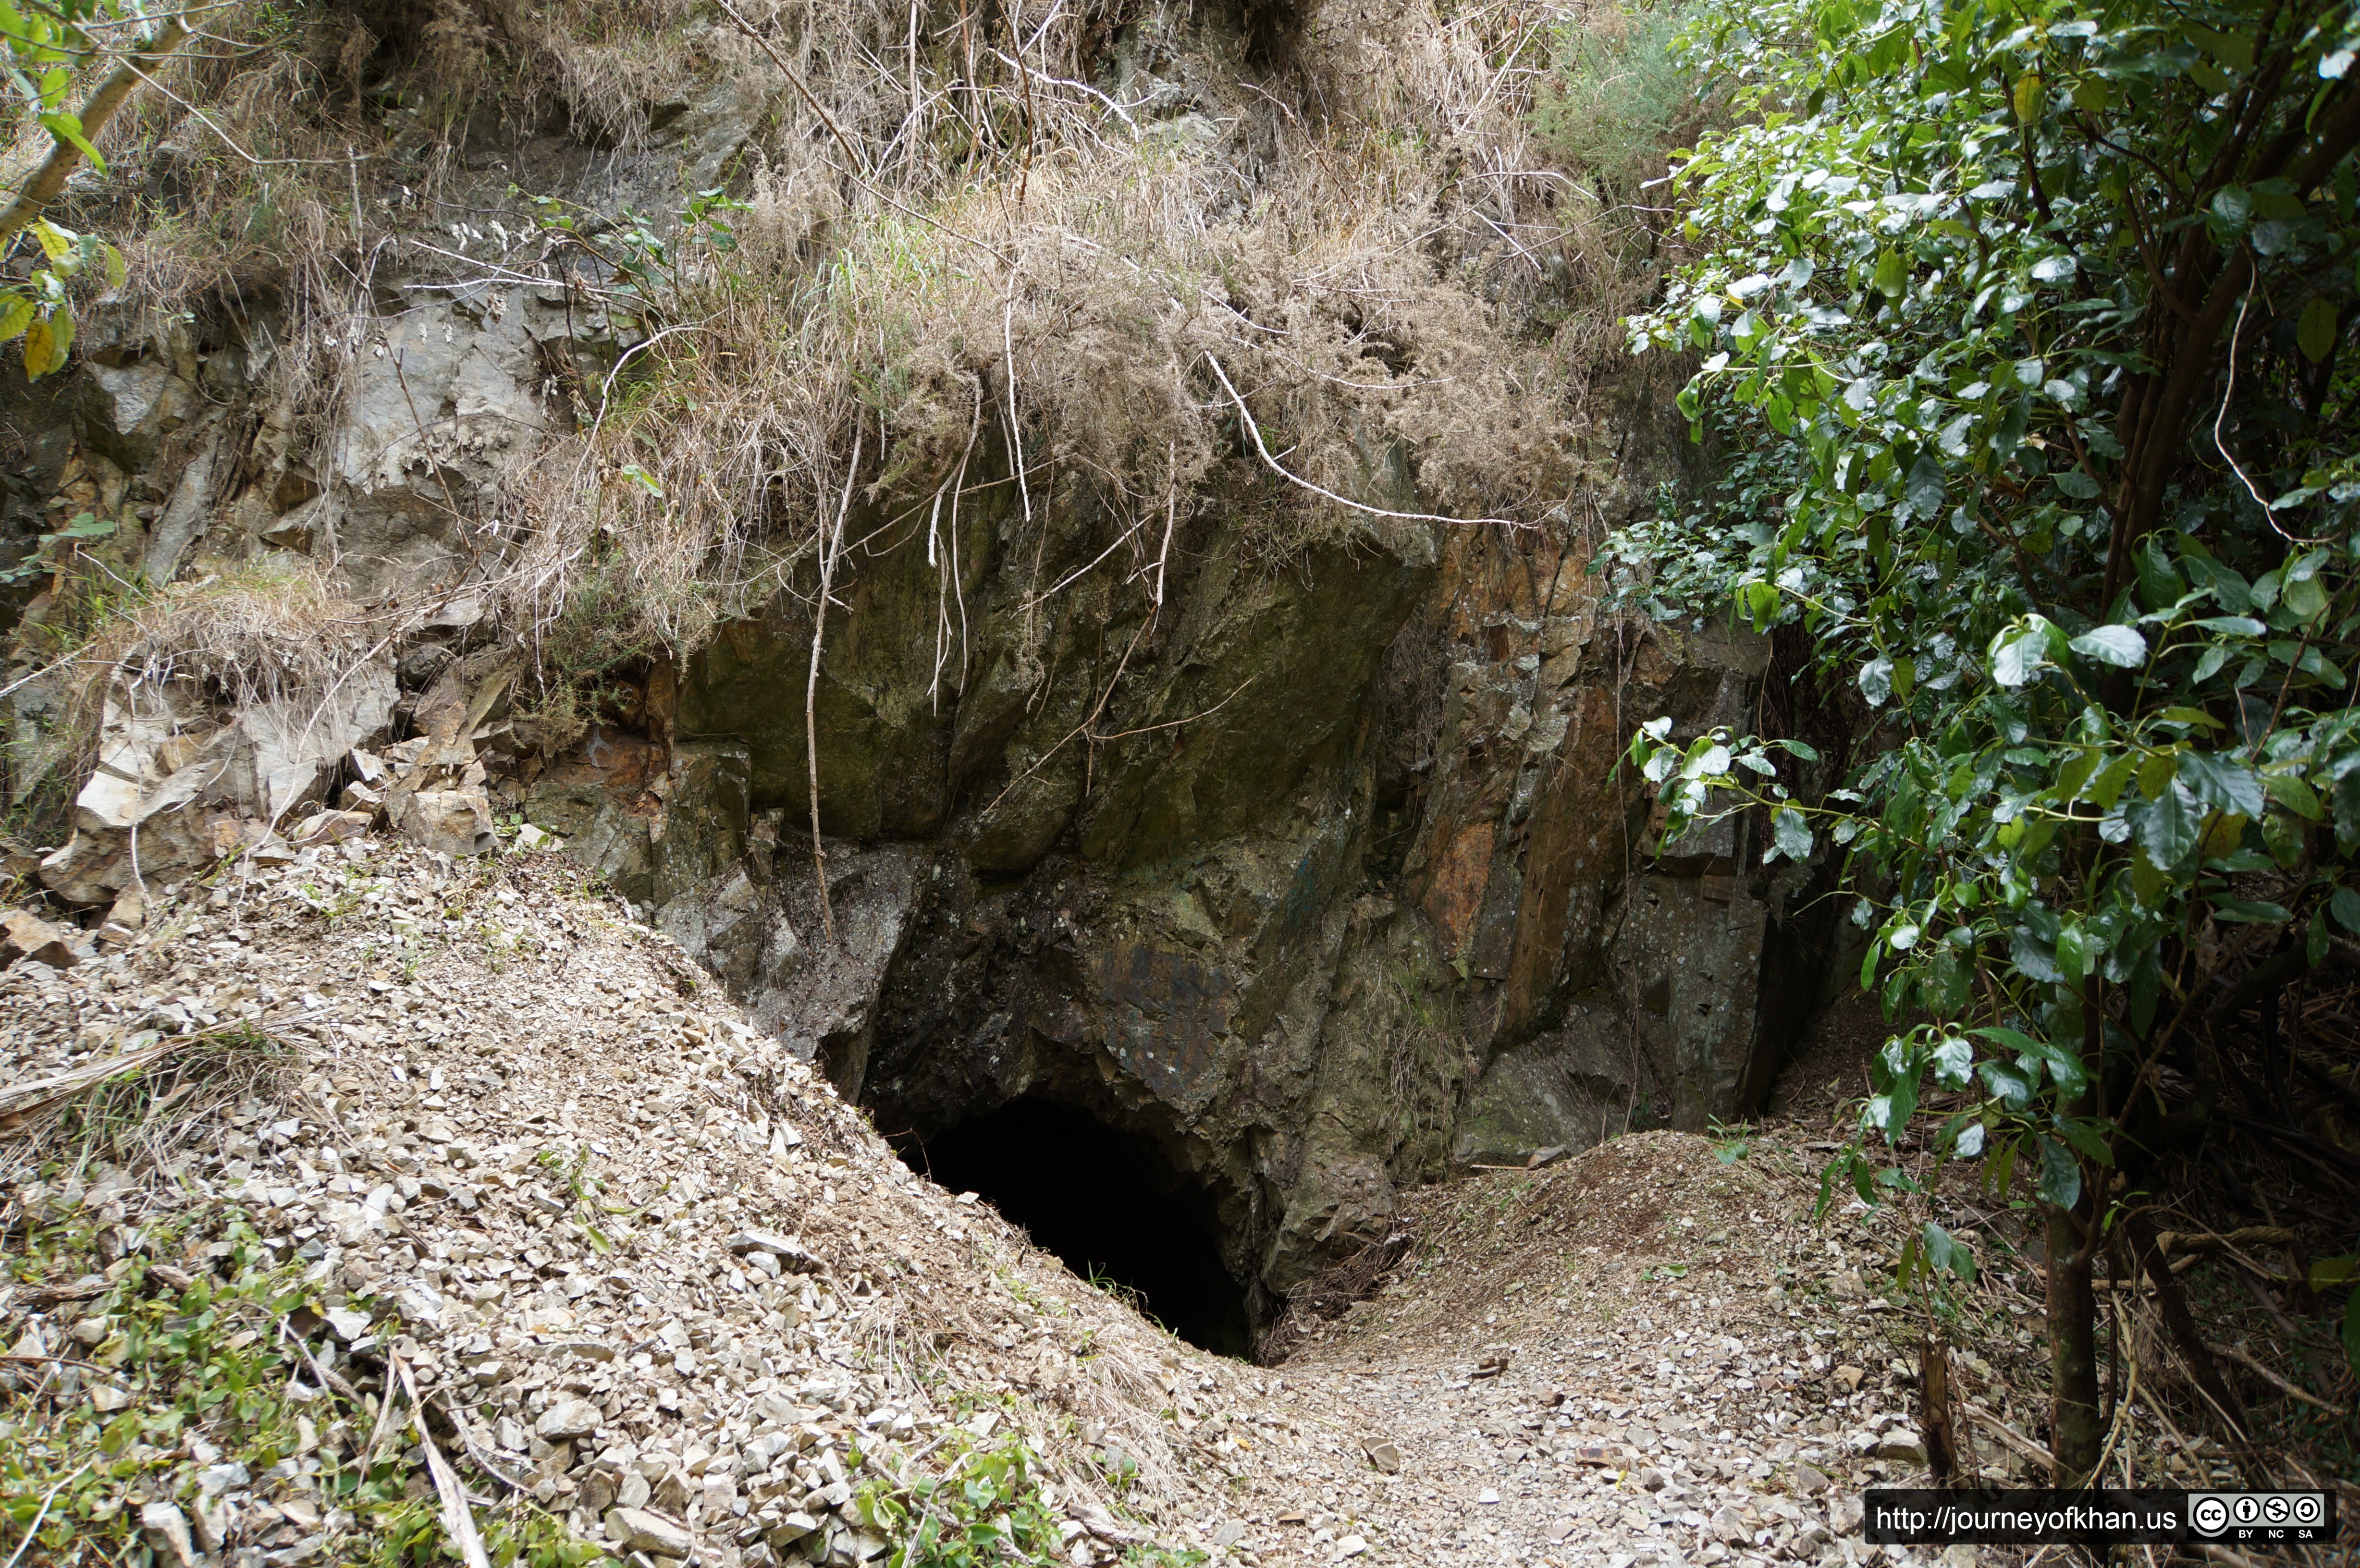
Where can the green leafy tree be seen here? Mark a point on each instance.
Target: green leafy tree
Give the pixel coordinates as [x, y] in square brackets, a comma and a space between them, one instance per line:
[50, 46]
[2029, 323]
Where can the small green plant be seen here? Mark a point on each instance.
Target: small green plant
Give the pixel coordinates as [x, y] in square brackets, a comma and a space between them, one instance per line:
[1730, 1142]
[1127, 1294]
[651, 261]
[1619, 100]
[1121, 1469]
[47, 558]
[332, 904]
[233, 1362]
[985, 1507]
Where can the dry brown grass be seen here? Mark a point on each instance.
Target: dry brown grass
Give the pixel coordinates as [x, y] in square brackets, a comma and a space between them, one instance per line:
[264, 637]
[137, 1111]
[1359, 245]
[1086, 232]
[285, 641]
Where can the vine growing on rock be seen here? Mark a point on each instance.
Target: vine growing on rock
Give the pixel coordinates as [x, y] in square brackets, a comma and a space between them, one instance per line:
[2032, 320]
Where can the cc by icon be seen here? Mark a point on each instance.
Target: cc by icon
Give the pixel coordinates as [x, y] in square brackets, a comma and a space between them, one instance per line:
[2209, 1515]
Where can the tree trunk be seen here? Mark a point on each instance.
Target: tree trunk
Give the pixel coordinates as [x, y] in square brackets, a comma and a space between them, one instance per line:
[2075, 1429]
[64, 158]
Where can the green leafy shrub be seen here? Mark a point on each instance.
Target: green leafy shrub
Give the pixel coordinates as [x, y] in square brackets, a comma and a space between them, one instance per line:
[1619, 99]
[2029, 330]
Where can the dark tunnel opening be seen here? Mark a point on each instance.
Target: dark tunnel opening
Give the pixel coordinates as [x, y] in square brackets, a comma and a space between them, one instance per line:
[1106, 1203]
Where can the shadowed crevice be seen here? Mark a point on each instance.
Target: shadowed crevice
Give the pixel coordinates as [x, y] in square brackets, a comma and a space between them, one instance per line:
[1105, 1203]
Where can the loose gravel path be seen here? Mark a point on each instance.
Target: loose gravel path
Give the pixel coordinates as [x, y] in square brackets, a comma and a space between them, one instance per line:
[1646, 1356]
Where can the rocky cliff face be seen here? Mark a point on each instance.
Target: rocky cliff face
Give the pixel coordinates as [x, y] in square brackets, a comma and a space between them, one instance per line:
[1311, 870]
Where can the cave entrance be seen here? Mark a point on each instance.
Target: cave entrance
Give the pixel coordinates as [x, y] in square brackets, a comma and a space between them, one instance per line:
[1106, 1203]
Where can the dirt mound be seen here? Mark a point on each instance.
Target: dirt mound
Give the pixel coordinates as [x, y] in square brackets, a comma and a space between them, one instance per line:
[375, 1132]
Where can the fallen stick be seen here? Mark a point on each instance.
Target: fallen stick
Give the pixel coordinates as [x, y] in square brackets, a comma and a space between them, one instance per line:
[28, 1358]
[19, 1099]
[2250, 1365]
[34, 1528]
[458, 1519]
[327, 1380]
[483, 1460]
[2012, 1438]
[2171, 1241]
[2177, 1266]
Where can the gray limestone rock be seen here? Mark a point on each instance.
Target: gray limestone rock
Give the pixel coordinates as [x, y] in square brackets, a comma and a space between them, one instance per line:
[451, 821]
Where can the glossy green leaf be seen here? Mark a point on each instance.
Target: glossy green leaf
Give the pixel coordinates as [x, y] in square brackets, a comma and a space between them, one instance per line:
[1946, 1254]
[67, 128]
[2059, 1182]
[2231, 49]
[2165, 828]
[2028, 97]
[2075, 957]
[2306, 596]
[46, 343]
[2295, 795]
[2315, 331]
[1891, 275]
[2117, 646]
[2245, 912]
[2017, 655]
[1953, 1061]
[2221, 782]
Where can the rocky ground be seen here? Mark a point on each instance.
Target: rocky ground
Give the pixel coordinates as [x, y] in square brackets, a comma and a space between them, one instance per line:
[1644, 1355]
[497, 1150]
[652, 1278]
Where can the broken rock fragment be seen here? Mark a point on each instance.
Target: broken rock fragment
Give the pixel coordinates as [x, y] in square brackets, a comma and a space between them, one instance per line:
[790, 1530]
[28, 936]
[638, 1529]
[785, 1248]
[447, 822]
[334, 827]
[568, 1419]
[167, 1534]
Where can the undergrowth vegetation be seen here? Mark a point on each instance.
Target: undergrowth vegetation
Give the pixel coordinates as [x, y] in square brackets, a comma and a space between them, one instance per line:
[129, 652]
[987, 1504]
[892, 314]
[172, 1388]
[2028, 333]
[183, 1366]
[1096, 279]
[1617, 104]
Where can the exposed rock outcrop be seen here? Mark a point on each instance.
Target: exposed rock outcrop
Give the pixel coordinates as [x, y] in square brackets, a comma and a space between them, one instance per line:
[1312, 868]
[1338, 887]
[1335, 886]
